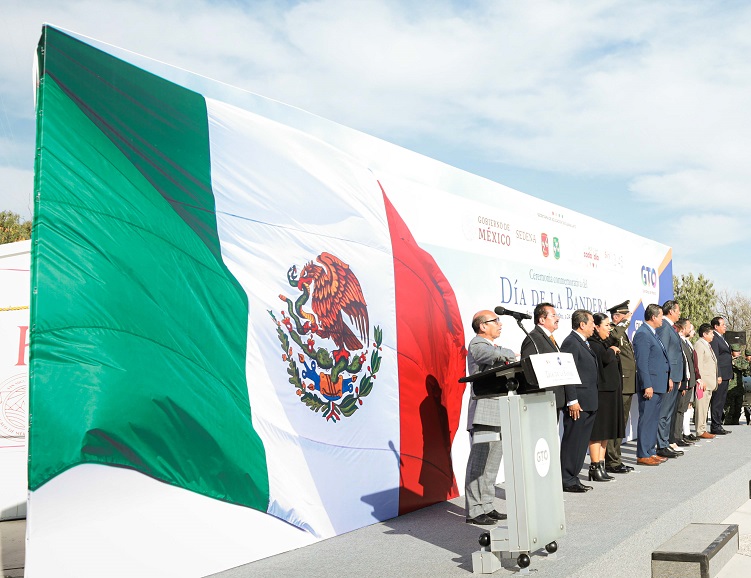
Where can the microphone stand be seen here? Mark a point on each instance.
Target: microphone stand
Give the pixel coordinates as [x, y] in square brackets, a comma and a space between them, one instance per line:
[519, 323]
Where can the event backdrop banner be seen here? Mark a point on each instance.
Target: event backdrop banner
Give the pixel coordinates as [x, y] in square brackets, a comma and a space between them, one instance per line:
[248, 303]
[14, 376]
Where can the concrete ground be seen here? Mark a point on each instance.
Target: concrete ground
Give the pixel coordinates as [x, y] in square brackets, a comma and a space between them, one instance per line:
[610, 531]
[740, 565]
[12, 547]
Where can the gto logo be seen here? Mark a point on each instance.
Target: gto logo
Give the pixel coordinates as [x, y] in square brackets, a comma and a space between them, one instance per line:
[648, 277]
[542, 457]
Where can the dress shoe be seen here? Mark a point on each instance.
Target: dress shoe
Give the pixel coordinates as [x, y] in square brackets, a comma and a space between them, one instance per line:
[586, 487]
[595, 475]
[575, 489]
[482, 520]
[659, 458]
[707, 436]
[690, 437]
[650, 461]
[676, 449]
[683, 444]
[619, 469]
[667, 453]
[601, 465]
[496, 515]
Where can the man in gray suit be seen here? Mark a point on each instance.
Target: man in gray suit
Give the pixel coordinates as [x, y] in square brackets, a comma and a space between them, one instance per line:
[484, 422]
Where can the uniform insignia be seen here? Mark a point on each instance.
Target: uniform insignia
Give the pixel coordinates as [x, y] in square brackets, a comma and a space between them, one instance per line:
[545, 245]
[556, 248]
[326, 354]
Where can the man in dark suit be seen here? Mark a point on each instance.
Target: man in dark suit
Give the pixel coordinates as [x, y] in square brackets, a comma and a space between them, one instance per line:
[483, 423]
[652, 372]
[724, 357]
[668, 334]
[581, 401]
[542, 340]
[621, 316]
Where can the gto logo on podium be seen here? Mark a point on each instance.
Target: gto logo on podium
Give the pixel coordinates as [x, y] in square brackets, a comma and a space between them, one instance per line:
[542, 457]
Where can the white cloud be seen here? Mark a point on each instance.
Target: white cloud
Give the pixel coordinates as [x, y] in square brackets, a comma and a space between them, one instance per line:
[654, 93]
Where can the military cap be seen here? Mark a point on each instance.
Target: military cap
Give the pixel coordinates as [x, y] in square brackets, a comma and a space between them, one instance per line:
[621, 308]
[735, 347]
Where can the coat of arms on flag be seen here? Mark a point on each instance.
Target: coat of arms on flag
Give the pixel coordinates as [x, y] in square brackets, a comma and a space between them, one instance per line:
[328, 380]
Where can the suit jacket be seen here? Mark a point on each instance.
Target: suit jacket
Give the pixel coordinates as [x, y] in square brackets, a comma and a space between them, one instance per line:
[707, 361]
[481, 355]
[652, 366]
[619, 338]
[672, 342]
[586, 364]
[724, 356]
[690, 380]
[538, 342]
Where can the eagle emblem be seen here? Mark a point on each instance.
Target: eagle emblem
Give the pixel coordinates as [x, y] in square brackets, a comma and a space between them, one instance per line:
[328, 328]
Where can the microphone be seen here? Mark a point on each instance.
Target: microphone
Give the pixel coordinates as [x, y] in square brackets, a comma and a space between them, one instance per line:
[515, 314]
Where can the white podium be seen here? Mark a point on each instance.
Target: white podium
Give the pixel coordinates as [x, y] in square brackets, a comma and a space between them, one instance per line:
[532, 466]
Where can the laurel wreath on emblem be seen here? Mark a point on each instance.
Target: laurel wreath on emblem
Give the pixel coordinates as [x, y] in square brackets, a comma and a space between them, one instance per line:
[328, 381]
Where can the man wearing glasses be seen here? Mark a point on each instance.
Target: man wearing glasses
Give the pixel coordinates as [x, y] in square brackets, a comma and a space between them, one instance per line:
[483, 421]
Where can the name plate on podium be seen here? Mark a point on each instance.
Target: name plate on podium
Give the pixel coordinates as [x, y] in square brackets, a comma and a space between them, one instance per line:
[553, 369]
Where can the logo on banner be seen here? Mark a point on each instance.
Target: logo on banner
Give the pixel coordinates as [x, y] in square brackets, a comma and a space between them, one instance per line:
[556, 248]
[525, 236]
[592, 255]
[324, 334]
[13, 410]
[545, 244]
[650, 281]
[648, 277]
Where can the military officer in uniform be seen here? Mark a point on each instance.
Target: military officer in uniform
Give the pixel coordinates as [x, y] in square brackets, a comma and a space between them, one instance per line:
[734, 402]
[621, 317]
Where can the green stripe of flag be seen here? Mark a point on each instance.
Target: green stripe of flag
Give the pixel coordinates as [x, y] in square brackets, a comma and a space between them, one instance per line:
[139, 339]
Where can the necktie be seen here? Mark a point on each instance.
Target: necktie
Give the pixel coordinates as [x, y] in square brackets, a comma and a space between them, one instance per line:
[662, 345]
[553, 340]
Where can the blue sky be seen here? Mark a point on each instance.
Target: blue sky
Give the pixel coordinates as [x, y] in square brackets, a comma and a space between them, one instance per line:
[636, 113]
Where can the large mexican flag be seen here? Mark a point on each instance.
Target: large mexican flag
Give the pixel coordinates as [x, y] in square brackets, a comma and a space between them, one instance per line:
[229, 305]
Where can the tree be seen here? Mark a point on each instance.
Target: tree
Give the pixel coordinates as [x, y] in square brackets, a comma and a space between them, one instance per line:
[735, 308]
[13, 228]
[696, 296]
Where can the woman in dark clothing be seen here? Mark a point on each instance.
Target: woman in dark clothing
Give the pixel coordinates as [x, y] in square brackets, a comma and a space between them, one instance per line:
[609, 420]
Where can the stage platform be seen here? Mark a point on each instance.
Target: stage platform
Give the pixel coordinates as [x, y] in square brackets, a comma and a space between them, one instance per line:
[612, 530]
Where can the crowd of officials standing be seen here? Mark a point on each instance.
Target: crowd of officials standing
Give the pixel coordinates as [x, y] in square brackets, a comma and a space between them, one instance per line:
[670, 374]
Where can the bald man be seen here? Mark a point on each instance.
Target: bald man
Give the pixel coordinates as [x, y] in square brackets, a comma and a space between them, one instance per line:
[484, 415]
